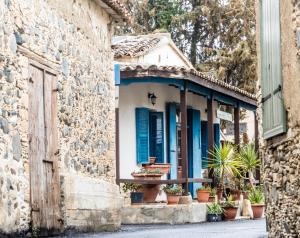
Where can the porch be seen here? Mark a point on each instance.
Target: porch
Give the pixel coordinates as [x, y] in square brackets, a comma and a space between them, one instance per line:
[185, 117]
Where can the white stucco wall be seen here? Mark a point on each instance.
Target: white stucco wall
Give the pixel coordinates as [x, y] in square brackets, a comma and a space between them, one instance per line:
[136, 95]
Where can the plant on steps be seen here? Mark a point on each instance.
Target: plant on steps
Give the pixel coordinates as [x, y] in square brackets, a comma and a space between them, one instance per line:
[224, 162]
[230, 208]
[257, 200]
[249, 160]
[203, 194]
[214, 212]
[136, 194]
[173, 193]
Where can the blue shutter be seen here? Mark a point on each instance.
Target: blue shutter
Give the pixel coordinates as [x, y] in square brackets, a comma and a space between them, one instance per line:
[194, 149]
[274, 113]
[142, 135]
[204, 144]
[117, 74]
[172, 139]
[217, 135]
[157, 136]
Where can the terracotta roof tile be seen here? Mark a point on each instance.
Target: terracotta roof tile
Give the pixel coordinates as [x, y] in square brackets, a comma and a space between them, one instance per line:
[185, 71]
[120, 10]
[134, 46]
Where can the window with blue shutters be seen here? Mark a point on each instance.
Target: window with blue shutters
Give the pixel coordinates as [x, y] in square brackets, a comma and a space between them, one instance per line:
[142, 135]
[274, 114]
[172, 139]
[156, 136]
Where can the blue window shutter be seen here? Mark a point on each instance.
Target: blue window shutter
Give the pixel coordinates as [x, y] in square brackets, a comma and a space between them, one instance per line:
[217, 135]
[204, 144]
[117, 74]
[157, 136]
[142, 135]
[274, 114]
[194, 149]
[172, 139]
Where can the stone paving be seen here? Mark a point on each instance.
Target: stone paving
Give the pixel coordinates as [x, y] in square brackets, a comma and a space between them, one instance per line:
[236, 229]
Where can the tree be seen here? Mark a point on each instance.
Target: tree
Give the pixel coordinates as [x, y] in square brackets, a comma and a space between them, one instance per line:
[218, 36]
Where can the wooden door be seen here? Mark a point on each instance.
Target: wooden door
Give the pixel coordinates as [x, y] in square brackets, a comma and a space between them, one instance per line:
[43, 151]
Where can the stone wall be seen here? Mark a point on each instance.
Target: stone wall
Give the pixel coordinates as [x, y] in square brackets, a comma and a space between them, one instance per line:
[76, 37]
[281, 154]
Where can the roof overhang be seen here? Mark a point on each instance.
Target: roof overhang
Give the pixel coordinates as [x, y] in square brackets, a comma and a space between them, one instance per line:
[209, 84]
[116, 9]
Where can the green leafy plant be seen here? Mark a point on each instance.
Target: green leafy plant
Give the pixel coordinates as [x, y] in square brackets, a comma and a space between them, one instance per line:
[256, 196]
[204, 188]
[225, 162]
[214, 209]
[173, 190]
[212, 192]
[131, 187]
[249, 160]
[229, 202]
[145, 171]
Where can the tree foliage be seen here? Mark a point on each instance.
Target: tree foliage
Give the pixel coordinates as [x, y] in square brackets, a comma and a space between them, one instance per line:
[218, 36]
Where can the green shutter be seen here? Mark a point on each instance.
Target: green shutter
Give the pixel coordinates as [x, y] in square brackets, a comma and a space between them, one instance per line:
[274, 115]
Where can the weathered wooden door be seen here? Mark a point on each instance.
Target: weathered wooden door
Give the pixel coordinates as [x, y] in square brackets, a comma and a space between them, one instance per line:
[43, 148]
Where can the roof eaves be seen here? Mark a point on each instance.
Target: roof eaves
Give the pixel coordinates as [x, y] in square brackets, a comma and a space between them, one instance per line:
[117, 9]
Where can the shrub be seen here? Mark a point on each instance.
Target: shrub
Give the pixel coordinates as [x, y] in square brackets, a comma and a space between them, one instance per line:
[204, 188]
[131, 187]
[173, 190]
[214, 209]
[256, 196]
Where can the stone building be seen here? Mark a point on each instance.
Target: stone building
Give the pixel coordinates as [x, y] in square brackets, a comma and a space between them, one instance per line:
[278, 40]
[57, 118]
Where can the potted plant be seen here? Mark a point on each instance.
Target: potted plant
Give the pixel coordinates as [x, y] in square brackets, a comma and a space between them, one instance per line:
[203, 194]
[150, 190]
[173, 193]
[230, 208]
[214, 212]
[224, 163]
[152, 160]
[250, 162]
[257, 200]
[212, 195]
[136, 194]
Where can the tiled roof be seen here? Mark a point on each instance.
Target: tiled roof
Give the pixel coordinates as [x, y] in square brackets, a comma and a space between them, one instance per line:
[117, 9]
[134, 46]
[187, 73]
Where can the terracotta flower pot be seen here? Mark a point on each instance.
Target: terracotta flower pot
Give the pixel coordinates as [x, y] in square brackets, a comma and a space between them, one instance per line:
[150, 192]
[211, 199]
[236, 194]
[147, 176]
[230, 213]
[173, 199]
[202, 195]
[258, 210]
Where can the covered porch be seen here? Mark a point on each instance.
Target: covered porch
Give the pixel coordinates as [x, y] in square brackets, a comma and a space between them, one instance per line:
[170, 113]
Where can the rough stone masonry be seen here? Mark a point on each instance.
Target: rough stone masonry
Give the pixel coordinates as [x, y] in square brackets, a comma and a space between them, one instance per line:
[281, 155]
[75, 36]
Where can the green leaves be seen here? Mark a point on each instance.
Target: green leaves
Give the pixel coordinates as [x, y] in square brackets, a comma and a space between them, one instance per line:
[256, 196]
[249, 158]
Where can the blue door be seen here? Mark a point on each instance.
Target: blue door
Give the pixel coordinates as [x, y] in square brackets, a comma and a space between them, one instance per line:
[194, 149]
[172, 139]
[156, 136]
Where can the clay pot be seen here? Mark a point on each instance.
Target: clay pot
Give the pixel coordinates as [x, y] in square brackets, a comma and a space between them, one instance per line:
[258, 210]
[137, 197]
[165, 168]
[173, 199]
[185, 199]
[236, 194]
[147, 176]
[150, 192]
[230, 213]
[214, 217]
[152, 160]
[211, 199]
[202, 195]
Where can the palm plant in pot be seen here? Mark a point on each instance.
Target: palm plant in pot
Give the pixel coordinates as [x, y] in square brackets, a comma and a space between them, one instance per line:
[136, 194]
[250, 161]
[230, 208]
[224, 163]
[203, 194]
[257, 200]
[214, 212]
[173, 193]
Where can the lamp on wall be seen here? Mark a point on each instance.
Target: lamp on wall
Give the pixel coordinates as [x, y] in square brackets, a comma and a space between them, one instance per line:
[152, 98]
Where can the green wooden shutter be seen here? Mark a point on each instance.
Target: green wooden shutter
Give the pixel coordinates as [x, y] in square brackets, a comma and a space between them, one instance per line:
[142, 135]
[274, 115]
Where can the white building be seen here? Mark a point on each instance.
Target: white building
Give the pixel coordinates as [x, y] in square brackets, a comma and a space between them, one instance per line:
[152, 67]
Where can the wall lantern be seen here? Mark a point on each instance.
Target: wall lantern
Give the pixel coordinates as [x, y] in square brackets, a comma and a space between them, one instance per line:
[152, 98]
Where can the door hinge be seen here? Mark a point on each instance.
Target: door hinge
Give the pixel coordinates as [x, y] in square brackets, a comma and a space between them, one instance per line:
[278, 89]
